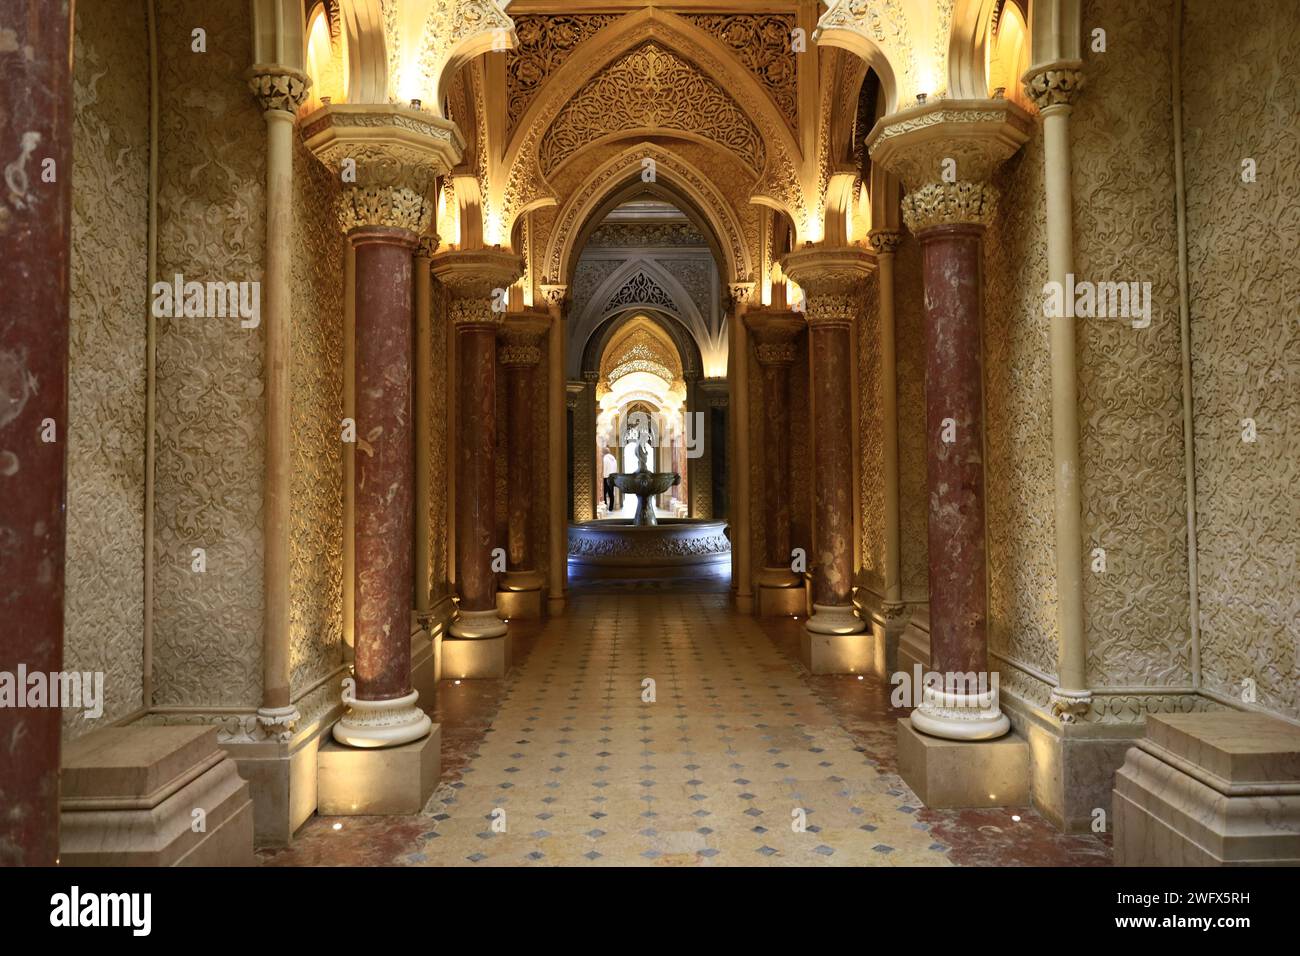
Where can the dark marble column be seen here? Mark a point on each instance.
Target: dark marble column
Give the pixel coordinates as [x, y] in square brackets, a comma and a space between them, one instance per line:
[955, 444]
[385, 475]
[35, 240]
[774, 335]
[951, 249]
[832, 281]
[477, 281]
[520, 354]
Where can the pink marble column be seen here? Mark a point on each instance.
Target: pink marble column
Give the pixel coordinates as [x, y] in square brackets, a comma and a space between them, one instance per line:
[774, 335]
[35, 239]
[385, 474]
[521, 353]
[955, 444]
[951, 251]
[832, 281]
[476, 469]
[477, 281]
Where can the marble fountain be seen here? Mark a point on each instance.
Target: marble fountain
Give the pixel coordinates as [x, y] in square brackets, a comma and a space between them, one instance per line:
[647, 545]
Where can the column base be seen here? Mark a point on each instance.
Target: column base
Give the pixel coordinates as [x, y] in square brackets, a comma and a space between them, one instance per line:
[520, 596]
[475, 658]
[555, 604]
[964, 773]
[834, 619]
[837, 653]
[373, 724]
[954, 716]
[392, 781]
[781, 593]
[475, 625]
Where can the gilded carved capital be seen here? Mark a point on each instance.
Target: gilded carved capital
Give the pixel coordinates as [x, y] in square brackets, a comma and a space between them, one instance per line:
[1054, 84]
[774, 335]
[394, 206]
[832, 280]
[279, 87]
[949, 204]
[522, 334]
[949, 140]
[556, 297]
[886, 241]
[388, 157]
[427, 246]
[477, 280]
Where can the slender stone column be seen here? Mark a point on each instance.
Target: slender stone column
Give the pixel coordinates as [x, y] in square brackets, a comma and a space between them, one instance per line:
[886, 243]
[477, 281]
[780, 590]
[280, 91]
[35, 244]
[832, 280]
[739, 509]
[557, 432]
[520, 353]
[949, 219]
[1052, 88]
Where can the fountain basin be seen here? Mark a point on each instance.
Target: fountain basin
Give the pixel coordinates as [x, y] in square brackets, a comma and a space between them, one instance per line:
[616, 547]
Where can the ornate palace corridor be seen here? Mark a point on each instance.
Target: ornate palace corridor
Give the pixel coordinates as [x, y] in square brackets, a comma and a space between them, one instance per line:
[739, 736]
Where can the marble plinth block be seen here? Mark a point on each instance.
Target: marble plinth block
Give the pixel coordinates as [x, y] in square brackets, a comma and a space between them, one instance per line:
[153, 796]
[387, 781]
[964, 773]
[1210, 789]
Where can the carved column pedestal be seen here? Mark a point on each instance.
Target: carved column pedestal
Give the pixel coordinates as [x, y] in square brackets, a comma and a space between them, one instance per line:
[832, 280]
[520, 594]
[477, 280]
[780, 589]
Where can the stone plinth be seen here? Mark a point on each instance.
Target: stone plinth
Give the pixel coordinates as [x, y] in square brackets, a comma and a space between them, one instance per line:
[964, 773]
[130, 796]
[1210, 789]
[391, 781]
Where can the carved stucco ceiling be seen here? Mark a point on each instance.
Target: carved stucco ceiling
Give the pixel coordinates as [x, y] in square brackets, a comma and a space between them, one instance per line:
[545, 42]
[651, 88]
[762, 42]
[636, 234]
[641, 346]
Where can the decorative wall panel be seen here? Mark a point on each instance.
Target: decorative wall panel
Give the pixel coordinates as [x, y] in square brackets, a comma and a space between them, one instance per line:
[208, 627]
[545, 43]
[104, 630]
[1130, 380]
[316, 520]
[651, 88]
[1020, 490]
[763, 44]
[1240, 65]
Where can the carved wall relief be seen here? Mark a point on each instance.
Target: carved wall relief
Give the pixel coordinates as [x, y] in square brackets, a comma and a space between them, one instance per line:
[316, 402]
[210, 428]
[1130, 380]
[104, 622]
[1239, 94]
[1018, 419]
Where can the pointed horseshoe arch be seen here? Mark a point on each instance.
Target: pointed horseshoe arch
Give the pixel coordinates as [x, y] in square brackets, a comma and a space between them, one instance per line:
[627, 168]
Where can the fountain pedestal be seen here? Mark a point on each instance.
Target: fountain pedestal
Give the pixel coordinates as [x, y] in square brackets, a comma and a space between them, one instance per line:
[645, 484]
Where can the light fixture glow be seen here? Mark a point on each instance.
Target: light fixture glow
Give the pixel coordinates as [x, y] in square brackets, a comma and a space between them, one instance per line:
[337, 826]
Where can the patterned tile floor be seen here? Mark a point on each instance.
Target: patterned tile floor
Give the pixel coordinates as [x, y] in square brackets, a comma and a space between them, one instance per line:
[564, 763]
